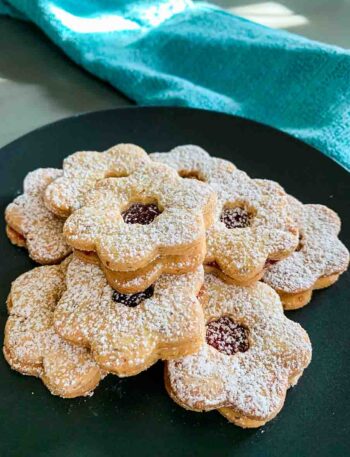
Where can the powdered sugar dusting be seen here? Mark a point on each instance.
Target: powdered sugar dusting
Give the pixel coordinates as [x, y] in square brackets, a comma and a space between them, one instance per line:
[254, 382]
[127, 340]
[32, 346]
[83, 169]
[186, 206]
[189, 158]
[321, 253]
[226, 336]
[28, 216]
[236, 217]
[271, 233]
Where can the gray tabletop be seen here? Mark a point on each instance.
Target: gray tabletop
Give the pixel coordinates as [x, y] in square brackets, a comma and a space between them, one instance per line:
[38, 84]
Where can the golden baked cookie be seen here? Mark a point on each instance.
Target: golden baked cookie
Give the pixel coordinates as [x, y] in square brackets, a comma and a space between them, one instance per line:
[131, 282]
[252, 222]
[16, 238]
[251, 356]
[193, 162]
[318, 261]
[83, 169]
[131, 221]
[129, 333]
[30, 224]
[31, 345]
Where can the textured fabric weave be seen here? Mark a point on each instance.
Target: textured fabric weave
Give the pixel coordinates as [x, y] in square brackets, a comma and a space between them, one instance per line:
[176, 52]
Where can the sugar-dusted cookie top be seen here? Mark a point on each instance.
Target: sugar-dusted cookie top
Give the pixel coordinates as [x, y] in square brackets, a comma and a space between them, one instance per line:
[252, 220]
[320, 252]
[32, 225]
[252, 354]
[31, 344]
[253, 223]
[191, 161]
[83, 169]
[130, 221]
[128, 333]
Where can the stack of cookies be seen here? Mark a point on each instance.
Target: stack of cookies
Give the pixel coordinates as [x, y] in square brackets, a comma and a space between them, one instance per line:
[173, 256]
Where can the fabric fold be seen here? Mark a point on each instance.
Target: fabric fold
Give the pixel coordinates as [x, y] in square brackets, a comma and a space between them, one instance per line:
[180, 53]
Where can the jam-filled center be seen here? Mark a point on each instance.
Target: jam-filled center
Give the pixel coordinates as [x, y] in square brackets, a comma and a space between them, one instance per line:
[133, 300]
[139, 213]
[236, 217]
[226, 336]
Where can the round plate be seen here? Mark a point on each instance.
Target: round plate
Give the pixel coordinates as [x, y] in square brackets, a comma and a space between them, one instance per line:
[134, 416]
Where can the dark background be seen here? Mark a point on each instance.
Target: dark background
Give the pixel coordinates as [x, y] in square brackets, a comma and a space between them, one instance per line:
[134, 416]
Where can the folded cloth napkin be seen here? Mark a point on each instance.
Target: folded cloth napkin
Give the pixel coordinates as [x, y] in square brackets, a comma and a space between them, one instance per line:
[176, 52]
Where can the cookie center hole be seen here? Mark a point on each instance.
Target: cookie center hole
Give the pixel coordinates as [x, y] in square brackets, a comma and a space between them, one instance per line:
[226, 336]
[236, 217]
[191, 174]
[140, 213]
[133, 300]
[115, 174]
[301, 243]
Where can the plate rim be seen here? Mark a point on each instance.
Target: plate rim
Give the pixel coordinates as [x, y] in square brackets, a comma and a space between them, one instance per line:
[175, 108]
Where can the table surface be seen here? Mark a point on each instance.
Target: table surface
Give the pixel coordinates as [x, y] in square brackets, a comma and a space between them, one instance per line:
[38, 84]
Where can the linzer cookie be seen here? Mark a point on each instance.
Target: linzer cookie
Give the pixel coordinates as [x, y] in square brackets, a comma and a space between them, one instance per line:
[129, 333]
[130, 282]
[193, 162]
[253, 225]
[153, 213]
[318, 261]
[251, 356]
[83, 169]
[30, 224]
[32, 346]
[252, 221]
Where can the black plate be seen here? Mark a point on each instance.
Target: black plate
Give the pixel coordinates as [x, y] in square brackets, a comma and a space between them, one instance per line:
[134, 416]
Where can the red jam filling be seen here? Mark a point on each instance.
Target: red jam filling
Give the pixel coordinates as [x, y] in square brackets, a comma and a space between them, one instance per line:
[132, 300]
[226, 336]
[213, 264]
[270, 262]
[138, 213]
[236, 217]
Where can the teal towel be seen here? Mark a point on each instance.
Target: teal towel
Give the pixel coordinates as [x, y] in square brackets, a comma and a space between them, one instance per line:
[176, 52]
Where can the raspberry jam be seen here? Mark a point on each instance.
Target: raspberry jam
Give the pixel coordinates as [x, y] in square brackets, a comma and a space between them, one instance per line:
[138, 213]
[132, 300]
[213, 264]
[226, 336]
[270, 262]
[236, 217]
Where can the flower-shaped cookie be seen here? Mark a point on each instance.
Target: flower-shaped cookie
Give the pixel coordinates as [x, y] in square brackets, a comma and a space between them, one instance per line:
[252, 355]
[318, 261]
[252, 222]
[131, 282]
[191, 161]
[83, 169]
[30, 224]
[32, 346]
[131, 221]
[129, 333]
